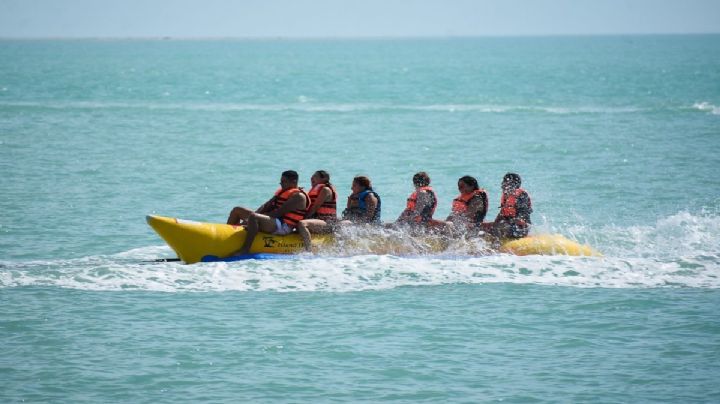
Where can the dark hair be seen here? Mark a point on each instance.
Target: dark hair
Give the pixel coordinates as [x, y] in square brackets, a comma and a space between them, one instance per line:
[421, 179]
[363, 181]
[290, 175]
[324, 175]
[513, 179]
[471, 181]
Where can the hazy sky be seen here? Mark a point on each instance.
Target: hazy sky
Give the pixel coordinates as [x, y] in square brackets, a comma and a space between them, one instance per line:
[355, 18]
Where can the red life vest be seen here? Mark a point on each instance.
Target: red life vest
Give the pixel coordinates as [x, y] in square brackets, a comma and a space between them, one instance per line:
[508, 203]
[294, 216]
[426, 214]
[462, 202]
[328, 209]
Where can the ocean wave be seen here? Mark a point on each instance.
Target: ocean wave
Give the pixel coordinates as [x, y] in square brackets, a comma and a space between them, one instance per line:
[707, 107]
[303, 105]
[359, 273]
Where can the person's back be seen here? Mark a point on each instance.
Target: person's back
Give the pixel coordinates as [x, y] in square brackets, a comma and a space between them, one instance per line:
[470, 207]
[321, 216]
[421, 204]
[323, 198]
[292, 216]
[364, 204]
[280, 215]
[513, 220]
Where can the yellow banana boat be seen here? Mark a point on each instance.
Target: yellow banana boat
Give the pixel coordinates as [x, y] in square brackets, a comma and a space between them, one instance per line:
[547, 244]
[198, 241]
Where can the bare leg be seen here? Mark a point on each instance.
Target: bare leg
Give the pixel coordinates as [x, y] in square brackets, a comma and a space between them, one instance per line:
[497, 232]
[487, 227]
[315, 226]
[239, 214]
[501, 230]
[305, 234]
[256, 223]
[454, 230]
[439, 226]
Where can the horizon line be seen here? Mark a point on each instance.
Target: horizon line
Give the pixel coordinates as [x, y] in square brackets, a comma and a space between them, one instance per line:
[329, 37]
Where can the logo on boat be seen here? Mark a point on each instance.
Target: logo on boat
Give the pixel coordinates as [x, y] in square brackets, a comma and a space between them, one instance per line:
[269, 241]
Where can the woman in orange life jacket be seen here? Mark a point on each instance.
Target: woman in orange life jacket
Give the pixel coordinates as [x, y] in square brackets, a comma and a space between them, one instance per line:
[513, 221]
[321, 216]
[280, 215]
[363, 205]
[470, 207]
[421, 205]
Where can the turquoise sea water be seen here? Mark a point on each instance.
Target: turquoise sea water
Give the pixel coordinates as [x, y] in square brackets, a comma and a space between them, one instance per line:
[617, 140]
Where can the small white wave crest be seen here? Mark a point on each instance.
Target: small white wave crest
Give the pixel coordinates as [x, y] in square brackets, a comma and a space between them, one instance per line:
[684, 235]
[707, 107]
[306, 104]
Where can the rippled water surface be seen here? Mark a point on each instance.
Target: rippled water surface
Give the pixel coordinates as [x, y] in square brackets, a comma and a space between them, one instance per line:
[617, 140]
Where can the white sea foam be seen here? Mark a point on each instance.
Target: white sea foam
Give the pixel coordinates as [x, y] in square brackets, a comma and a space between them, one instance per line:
[306, 104]
[357, 273]
[679, 251]
[707, 107]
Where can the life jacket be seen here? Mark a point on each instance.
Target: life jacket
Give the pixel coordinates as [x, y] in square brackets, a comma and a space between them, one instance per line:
[328, 209]
[428, 211]
[294, 216]
[462, 202]
[361, 208]
[508, 205]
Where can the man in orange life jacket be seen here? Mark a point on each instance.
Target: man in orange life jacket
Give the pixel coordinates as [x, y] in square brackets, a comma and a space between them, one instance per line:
[470, 207]
[421, 204]
[513, 221]
[322, 214]
[279, 215]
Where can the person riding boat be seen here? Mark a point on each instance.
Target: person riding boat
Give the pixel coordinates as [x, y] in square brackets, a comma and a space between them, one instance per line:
[470, 207]
[363, 205]
[421, 204]
[280, 215]
[323, 198]
[513, 220]
[322, 214]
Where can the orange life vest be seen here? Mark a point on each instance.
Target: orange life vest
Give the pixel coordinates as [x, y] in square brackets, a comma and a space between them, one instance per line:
[294, 216]
[427, 213]
[462, 202]
[508, 203]
[328, 209]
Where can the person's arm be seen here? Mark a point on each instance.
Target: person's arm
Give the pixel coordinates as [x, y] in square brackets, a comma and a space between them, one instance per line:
[266, 207]
[452, 216]
[346, 212]
[295, 202]
[499, 215]
[404, 215]
[475, 206]
[424, 200]
[523, 206]
[323, 197]
[408, 214]
[371, 203]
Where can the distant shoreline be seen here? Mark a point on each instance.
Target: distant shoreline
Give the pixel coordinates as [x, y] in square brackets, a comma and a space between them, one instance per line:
[349, 38]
